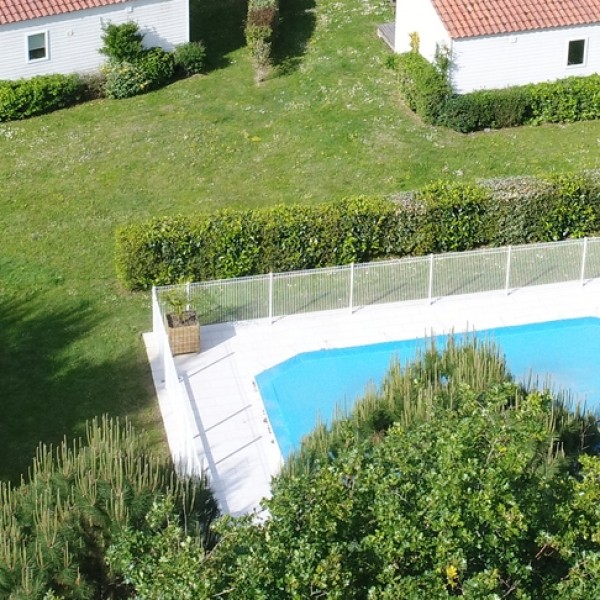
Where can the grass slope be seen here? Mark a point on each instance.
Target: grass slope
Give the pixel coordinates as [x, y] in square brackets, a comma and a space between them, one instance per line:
[329, 124]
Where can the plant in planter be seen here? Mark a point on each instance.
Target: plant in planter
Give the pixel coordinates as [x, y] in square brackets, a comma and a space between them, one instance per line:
[183, 327]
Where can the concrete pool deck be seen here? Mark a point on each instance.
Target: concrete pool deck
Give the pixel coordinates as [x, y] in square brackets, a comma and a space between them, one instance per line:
[233, 437]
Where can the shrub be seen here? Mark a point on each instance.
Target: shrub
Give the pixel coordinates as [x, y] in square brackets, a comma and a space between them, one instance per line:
[190, 57]
[154, 69]
[444, 216]
[489, 108]
[260, 27]
[235, 243]
[94, 84]
[125, 79]
[566, 100]
[56, 528]
[456, 217]
[427, 92]
[29, 97]
[122, 43]
[158, 66]
[424, 86]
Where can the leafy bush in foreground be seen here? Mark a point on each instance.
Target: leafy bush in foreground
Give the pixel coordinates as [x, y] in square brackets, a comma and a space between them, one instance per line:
[55, 529]
[452, 480]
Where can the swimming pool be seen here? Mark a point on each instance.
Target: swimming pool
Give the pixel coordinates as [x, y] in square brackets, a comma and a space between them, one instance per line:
[307, 388]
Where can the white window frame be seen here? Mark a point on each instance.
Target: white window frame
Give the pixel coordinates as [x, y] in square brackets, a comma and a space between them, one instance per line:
[43, 32]
[586, 44]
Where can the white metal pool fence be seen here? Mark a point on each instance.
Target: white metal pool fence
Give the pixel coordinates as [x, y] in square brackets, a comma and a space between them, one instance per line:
[413, 278]
[352, 286]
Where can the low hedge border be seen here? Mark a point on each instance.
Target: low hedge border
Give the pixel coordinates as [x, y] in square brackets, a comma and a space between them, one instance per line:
[25, 98]
[444, 216]
[427, 92]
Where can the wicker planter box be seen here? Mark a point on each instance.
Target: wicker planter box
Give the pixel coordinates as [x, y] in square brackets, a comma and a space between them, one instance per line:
[184, 332]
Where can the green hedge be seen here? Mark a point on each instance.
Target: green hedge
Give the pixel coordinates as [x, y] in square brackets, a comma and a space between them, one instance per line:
[233, 243]
[423, 85]
[261, 22]
[444, 216]
[29, 97]
[427, 92]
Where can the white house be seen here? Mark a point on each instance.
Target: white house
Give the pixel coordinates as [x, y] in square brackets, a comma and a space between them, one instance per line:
[63, 36]
[499, 43]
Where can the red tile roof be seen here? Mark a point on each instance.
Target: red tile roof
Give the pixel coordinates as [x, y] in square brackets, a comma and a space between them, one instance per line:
[470, 18]
[12, 11]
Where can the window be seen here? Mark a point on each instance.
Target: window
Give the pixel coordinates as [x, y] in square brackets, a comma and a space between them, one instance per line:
[37, 46]
[576, 52]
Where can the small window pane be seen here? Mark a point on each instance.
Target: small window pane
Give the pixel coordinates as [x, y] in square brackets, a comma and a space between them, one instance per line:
[576, 52]
[36, 44]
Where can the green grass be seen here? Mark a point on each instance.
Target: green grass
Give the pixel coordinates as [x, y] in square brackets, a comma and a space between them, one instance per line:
[329, 123]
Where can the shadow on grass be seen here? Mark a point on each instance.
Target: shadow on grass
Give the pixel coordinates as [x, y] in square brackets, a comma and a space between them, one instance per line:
[297, 21]
[47, 391]
[219, 24]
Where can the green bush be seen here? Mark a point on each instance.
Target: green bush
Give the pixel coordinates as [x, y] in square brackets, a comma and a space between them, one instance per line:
[235, 243]
[132, 69]
[444, 216]
[456, 217]
[122, 43]
[41, 94]
[190, 57]
[56, 528]
[427, 92]
[451, 480]
[566, 100]
[124, 80]
[261, 21]
[424, 86]
[152, 70]
[495, 109]
[158, 66]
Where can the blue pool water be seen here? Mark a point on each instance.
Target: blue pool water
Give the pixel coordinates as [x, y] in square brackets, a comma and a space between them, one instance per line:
[307, 388]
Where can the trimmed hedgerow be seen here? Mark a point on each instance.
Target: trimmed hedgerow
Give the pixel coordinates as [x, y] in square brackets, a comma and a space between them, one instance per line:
[233, 243]
[455, 217]
[479, 110]
[427, 92]
[41, 94]
[444, 216]
[565, 100]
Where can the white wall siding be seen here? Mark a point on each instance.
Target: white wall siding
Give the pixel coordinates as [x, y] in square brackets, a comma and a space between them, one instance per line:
[516, 59]
[74, 38]
[421, 17]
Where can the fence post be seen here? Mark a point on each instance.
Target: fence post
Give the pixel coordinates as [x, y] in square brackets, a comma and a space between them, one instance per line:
[187, 295]
[507, 280]
[430, 291]
[583, 259]
[351, 295]
[271, 297]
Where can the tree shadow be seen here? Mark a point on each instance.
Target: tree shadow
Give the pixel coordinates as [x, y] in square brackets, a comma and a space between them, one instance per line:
[46, 390]
[219, 24]
[297, 22]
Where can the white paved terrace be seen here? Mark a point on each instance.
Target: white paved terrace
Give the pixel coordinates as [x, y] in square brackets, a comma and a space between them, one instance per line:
[234, 438]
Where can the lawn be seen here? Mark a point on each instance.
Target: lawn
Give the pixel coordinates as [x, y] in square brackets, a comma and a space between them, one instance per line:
[329, 123]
